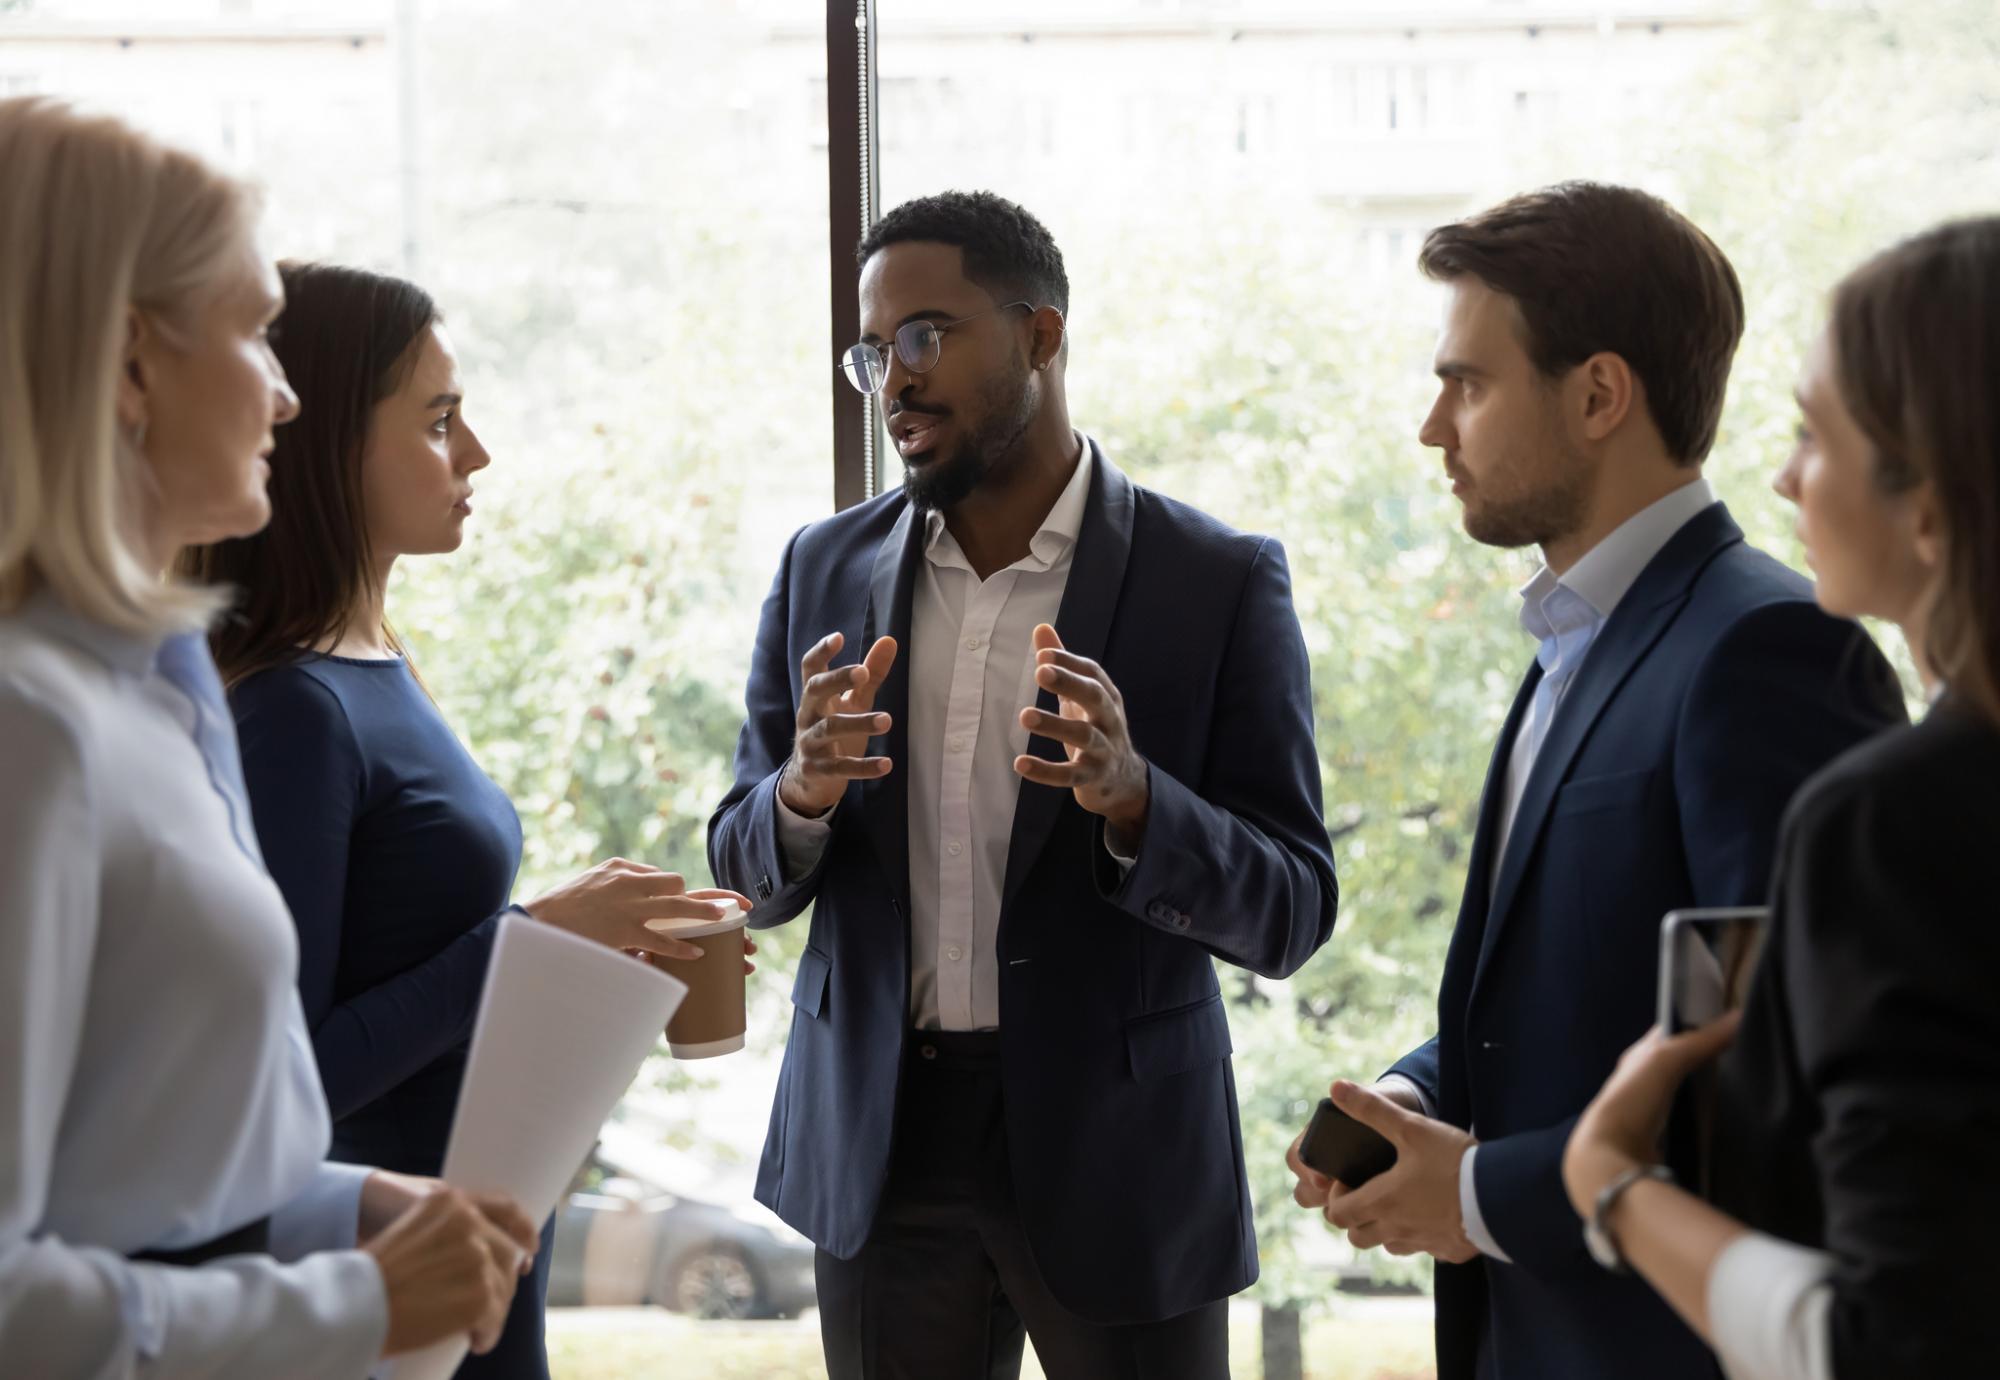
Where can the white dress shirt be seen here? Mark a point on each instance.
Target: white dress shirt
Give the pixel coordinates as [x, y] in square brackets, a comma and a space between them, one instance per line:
[157, 1086]
[1564, 614]
[971, 669]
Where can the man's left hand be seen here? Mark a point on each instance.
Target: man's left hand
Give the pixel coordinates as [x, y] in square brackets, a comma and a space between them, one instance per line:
[1106, 773]
[1414, 1206]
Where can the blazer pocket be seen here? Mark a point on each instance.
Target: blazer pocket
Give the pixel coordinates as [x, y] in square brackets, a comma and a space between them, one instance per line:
[1171, 1042]
[809, 988]
[1594, 793]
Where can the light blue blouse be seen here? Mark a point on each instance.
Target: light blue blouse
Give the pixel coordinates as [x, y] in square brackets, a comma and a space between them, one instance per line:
[157, 1087]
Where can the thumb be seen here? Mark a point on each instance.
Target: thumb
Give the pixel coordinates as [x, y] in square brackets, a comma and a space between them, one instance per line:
[1372, 1110]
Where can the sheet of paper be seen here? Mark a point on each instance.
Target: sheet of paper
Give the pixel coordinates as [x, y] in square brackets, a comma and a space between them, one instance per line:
[563, 1026]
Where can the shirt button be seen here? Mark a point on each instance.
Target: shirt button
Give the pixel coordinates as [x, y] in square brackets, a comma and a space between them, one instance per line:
[954, 848]
[958, 745]
[972, 644]
[928, 1051]
[953, 953]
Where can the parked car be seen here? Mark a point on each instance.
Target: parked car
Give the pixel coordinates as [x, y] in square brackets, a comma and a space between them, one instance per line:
[622, 1239]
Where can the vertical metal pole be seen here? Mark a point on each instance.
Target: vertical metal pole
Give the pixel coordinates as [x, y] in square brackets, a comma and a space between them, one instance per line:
[853, 186]
[409, 138]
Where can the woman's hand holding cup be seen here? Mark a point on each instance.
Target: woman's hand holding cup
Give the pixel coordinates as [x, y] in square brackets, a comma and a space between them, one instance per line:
[614, 902]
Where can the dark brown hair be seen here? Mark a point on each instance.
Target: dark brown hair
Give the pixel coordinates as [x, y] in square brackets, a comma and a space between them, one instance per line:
[1916, 341]
[1597, 268]
[347, 339]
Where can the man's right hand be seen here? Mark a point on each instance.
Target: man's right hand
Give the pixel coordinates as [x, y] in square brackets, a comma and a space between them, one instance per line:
[836, 720]
[1313, 1188]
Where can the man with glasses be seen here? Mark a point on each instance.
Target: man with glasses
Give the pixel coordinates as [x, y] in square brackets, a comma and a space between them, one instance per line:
[1035, 744]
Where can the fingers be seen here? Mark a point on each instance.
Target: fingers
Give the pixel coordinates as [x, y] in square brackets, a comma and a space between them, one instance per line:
[667, 908]
[1068, 775]
[847, 726]
[820, 655]
[1311, 1189]
[511, 1219]
[716, 893]
[823, 689]
[1697, 1047]
[1081, 734]
[1090, 692]
[1046, 638]
[1372, 1110]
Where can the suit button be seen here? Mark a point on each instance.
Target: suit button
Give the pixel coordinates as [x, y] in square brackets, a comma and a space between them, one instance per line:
[764, 887]
[1180, 921]
[928, 1051]
[1158, 911]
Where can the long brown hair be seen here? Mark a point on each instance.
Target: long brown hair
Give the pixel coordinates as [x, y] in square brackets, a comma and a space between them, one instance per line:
[348, 339]
[1916, 333]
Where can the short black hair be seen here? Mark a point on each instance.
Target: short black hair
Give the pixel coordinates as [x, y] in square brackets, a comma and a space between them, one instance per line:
[1007, 251]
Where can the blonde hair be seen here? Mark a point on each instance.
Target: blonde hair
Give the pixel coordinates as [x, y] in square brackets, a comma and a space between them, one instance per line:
[97, 220]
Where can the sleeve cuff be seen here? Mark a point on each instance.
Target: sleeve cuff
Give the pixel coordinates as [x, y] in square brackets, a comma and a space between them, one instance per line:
[1769, 1305]
[800, 840]
[324, 1216]
[1397, 1080]
[1468, 1207]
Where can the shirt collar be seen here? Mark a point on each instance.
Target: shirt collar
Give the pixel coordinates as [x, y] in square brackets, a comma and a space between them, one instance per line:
[1052, 540]
[127, 653]
[1586, 594]
[1607, 572]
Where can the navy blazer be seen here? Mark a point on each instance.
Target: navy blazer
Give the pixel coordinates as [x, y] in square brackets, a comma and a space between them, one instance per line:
[1119, 1099]
[1714, 690]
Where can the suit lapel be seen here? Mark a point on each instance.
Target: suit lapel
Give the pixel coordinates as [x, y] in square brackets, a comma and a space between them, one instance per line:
[1090, 598]
[885, 800]
[1641, 618]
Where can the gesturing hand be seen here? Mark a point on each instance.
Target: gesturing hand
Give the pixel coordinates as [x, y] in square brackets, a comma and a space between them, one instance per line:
[1106, 773]
[836, 720]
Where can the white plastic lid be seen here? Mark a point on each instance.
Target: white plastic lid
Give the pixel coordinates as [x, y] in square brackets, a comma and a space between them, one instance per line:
[734, 918]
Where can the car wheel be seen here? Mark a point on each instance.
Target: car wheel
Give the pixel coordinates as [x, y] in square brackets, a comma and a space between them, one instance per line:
[715, 1282]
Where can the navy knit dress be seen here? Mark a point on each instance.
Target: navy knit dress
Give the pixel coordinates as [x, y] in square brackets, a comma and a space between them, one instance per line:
[397, 856]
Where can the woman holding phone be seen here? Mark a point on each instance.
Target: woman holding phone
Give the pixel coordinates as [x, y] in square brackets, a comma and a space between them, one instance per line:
[165, 1208]
[1854, 1207]
[395, 851]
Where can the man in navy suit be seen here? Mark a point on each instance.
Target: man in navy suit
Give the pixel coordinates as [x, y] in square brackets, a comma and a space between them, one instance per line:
[1685, 684]
[1073, 765]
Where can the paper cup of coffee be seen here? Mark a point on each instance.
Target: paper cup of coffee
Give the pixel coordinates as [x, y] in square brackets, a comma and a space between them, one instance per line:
[711, 1018]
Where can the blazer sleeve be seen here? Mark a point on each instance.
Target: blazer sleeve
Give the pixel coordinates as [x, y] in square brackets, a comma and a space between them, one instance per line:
[1889, 961]
[1420, 1066]
[70, 1311]
[307, 780]
[1781, 693]
[1785, 691]
[745, 853]
[1240, 861]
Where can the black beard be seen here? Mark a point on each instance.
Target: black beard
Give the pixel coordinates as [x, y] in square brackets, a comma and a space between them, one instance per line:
[1007, 409]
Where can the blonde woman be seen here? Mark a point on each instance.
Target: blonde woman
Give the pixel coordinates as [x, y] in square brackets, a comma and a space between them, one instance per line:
[164, 1206]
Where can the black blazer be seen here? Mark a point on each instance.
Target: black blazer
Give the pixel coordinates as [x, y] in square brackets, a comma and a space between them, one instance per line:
[1860, 1106]
[1119, 1099]
[1713, 692]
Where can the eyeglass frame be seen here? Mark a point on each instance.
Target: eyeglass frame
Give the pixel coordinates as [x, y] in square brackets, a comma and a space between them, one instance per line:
[881, 352]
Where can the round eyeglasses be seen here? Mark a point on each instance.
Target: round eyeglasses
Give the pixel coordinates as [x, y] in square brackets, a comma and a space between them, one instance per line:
[919, 344]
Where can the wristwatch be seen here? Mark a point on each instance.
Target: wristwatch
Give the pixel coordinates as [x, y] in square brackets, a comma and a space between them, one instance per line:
[1596, 1235]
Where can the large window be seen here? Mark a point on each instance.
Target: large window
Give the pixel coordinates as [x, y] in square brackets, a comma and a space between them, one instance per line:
[624, 211]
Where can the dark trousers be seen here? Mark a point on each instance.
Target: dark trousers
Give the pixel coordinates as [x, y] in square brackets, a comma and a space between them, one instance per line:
[946, 1288]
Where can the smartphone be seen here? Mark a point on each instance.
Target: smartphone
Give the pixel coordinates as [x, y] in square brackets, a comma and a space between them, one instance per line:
[1342, 1148]
[1707, 958]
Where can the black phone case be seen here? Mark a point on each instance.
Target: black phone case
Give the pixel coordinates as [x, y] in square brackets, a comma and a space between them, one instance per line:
[1342, 1148]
